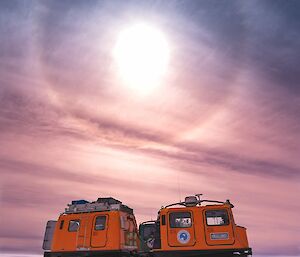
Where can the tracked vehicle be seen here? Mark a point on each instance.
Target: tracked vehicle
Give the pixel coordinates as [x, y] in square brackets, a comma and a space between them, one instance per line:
[194, 228]
[105, 227]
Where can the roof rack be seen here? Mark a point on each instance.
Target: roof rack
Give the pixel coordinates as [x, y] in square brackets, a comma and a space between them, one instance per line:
[102, 204]
[196, 200]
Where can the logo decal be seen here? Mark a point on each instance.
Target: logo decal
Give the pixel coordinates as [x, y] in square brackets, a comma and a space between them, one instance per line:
[183, 236]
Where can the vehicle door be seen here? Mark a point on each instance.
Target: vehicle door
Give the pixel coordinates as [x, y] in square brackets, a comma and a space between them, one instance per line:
[181, 230]
[218, 226]
[99, 231]
[68, 233]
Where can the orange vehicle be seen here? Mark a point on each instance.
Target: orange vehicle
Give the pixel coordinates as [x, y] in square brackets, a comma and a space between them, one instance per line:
[105, 227]
[189, 228]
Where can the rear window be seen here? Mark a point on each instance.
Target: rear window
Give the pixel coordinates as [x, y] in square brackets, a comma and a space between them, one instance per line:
[100, 223]
[180, 220]
[217, 218]
[74, 225]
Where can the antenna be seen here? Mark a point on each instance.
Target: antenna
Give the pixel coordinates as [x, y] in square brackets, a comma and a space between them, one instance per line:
[179, 186]
[199, 198]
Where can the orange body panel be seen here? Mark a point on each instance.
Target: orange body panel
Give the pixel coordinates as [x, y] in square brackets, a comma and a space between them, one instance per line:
[117, 231]
[200, 233]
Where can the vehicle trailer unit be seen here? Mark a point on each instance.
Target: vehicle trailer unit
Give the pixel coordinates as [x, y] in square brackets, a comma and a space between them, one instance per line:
[105, 228]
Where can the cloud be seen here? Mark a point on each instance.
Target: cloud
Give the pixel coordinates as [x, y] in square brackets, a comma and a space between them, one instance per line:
[273, 41]
[19, 113]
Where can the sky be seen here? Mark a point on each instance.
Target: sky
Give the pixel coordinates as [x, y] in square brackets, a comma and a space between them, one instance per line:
[224, 120]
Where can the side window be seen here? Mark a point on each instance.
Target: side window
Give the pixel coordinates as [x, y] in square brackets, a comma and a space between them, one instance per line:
[100, 223]
[74, 225]
[217, 218]
[180, 220]
[163, 220]
[61, 225]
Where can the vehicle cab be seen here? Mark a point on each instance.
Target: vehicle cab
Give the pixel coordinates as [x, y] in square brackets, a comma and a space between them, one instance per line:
[191, 228]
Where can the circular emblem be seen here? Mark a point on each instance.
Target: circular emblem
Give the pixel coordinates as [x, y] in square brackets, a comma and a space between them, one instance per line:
[183, 236]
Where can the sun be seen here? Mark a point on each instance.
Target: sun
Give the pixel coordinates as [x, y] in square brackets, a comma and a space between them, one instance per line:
[142, 56]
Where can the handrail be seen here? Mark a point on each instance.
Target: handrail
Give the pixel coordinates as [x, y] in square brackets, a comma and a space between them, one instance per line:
[199, 203]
